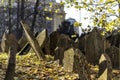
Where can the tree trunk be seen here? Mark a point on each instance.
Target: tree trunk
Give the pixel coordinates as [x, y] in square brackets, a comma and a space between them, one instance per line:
[20, 32]
[18, 20]
[10, 72]
[22, 9]
[10, 26]
[35, 15]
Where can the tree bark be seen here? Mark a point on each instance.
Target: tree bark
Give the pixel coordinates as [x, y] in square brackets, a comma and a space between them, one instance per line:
[35, 15]
[10, 26]
[10, 72]
[18, 20]
[20, 32]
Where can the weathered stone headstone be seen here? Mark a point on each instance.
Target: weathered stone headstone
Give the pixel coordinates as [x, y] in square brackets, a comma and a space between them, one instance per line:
[54, 36]
[105, 68]
[22, 41]
[74, 61]
[64, 43]
[113, 53]
[59, 54]
[94, 46]
[43, 41]
[68, 59]
[81, 65]
[24, 45]
[7, 41]
[4, 43]
[82, 43]
[33, 42]
[114, 38]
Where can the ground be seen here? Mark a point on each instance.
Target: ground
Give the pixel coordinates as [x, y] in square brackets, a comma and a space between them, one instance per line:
[28, 67]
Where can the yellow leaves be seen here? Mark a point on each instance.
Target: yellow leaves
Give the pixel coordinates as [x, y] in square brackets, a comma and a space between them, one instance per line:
[101, 0]
[76, 24]
[27, 69]
[48, 18]
[118, 10]
[91, 10]
[84, 5]
[111, 11]
[2, 1]
[118, 1]
[62, 3]
[73, 36]
[50, 4]
[110, 26]
[45, 9]
[57, 10]
[104, 16]
[103, 33]
[78, 7]
[109, 1]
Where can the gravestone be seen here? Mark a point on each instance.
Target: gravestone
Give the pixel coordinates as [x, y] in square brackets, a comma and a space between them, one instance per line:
[54, 36]
[74, 61]
[105, 68]
[22, 41]
[33, 42]
[63, 43]
[59, 54]
[82, 43]
[43, 41]
[114, 38]
[113, 53]
[7, 41]
[80, 65]
[94, 46]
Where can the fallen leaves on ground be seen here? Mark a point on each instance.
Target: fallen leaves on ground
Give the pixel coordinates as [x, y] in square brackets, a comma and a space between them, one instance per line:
[28, 67]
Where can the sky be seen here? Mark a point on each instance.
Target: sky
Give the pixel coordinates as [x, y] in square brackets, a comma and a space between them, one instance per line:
[79, 15]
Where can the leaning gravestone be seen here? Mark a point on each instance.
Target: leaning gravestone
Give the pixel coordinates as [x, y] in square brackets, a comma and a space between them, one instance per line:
[33, 42]
[43, 41]
[113, 53]
[4, 44]
[94, 46]
[22, 41]
[7, 41]
[74, 61]
[105, 68]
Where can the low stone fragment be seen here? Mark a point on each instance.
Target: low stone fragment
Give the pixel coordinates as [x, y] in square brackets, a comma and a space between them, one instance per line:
[105, 68]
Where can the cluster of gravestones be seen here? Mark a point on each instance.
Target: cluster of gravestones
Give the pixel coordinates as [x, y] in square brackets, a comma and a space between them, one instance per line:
[73, 55]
